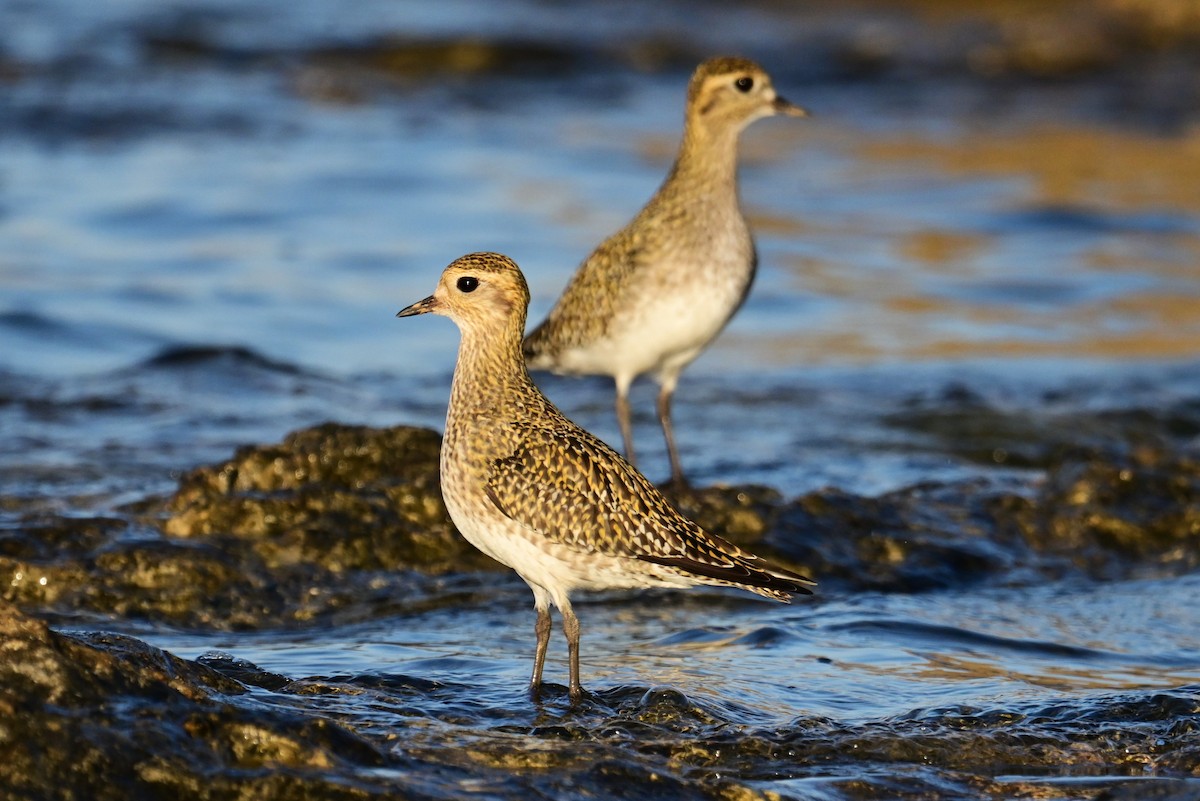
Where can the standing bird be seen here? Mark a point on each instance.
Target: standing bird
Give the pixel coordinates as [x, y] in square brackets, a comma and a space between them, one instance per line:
[654, 295]
[536, 492]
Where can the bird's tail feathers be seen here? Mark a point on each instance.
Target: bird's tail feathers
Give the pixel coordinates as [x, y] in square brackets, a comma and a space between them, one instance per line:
[744, 570]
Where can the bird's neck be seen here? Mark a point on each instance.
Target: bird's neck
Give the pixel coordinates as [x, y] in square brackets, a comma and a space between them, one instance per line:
[707, 157]
[490, 374]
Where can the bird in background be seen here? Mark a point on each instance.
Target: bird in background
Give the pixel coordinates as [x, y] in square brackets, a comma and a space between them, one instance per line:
[652, 296]
[539, 494]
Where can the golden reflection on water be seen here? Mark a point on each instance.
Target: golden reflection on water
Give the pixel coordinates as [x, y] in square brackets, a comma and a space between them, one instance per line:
[1054, 676]
[1111, 169]
[1076, 242]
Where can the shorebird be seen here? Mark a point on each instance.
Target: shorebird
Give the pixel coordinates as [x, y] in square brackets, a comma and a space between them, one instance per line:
[539, 494]
[652, 296]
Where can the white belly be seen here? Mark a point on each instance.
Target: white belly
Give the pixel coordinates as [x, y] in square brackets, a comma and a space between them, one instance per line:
[540, 562]
[661, 328]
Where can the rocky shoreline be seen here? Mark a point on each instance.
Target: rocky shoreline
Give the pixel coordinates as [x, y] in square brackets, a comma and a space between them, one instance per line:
[336, 522]
[341, 523]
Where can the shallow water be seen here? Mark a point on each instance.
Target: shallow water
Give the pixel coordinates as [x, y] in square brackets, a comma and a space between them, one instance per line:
[210, 214]
[855, 659]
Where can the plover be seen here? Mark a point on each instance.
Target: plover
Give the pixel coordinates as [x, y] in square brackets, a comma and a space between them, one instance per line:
[652, 296]
[539, 494]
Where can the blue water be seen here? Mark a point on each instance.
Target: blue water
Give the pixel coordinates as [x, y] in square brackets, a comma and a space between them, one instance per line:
[855, 659]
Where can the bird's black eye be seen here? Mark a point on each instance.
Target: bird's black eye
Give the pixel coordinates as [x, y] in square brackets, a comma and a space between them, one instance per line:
[467, 283]
[744, 83]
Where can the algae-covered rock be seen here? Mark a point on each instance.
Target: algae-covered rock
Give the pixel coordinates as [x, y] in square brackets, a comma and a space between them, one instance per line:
[919, 538]
[1103, 516]
[351, 497]
[344, 497]
[102, 716]
[340, 523]
[335, 522]
[1137, 513]
[740, 514]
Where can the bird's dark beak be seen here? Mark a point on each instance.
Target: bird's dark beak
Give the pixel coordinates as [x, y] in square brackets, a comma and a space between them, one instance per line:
[787, 109]
[430, 304]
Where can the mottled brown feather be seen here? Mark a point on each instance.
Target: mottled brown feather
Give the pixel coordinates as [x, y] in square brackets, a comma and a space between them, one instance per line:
[576, 491]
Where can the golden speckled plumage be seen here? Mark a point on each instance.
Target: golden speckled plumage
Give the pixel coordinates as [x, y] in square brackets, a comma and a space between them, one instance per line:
[530, 488]
[652, 296]
[576, 491]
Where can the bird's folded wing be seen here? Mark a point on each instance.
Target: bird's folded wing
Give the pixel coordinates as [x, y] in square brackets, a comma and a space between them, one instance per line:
[574, 490]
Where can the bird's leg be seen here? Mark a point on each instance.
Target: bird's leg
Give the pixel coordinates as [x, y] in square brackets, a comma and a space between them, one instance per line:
[542, 628]
[624, 419]
[571, 629]
[541, 602]
[678, 480]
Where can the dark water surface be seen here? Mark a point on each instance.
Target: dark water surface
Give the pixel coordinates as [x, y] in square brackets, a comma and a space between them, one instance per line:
[978, 259]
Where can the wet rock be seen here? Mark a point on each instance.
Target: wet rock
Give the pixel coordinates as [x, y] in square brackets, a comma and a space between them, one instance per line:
[334, 523]
[108, 717]
[916, 539]
[191, 586]
[1113, 516]
[356, 498]
[102, 716]
[1050, 40]
[341, 523]
[38, 540]
[345, 497]
[959, 421]
[419, 58]
[218, 583]
[658, 734]
[1134, 514]
[1159, 790]
[740, 514]
[350, 72]
[73, 672]
[1122, 735]
[242, 671]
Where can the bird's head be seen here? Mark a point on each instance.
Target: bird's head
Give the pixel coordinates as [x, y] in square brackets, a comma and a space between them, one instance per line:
[483, 291]
[734, 91]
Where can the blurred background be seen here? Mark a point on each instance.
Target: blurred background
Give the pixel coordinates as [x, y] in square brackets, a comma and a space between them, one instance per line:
[222, 186]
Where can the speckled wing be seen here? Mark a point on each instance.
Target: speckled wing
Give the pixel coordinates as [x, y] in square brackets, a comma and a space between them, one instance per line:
[591, 300]
[574, 490]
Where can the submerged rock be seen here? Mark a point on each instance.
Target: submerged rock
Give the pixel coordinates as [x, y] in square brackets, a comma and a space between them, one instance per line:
[1130, 515]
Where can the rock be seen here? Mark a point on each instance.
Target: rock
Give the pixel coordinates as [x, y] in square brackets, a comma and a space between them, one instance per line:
[1133, 514]
[335, 521]
[740, 514]
[102, 716]
[343, 497]
[343, 523]
[916, 539]
[1101, 516]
